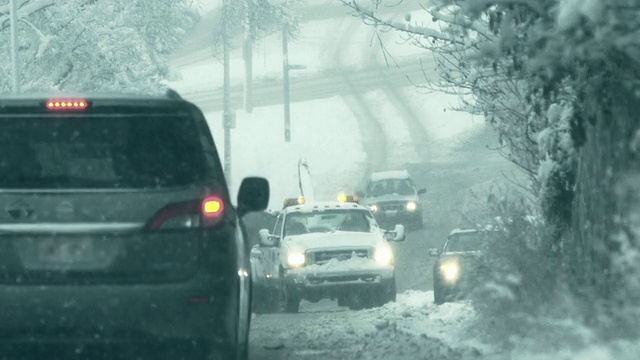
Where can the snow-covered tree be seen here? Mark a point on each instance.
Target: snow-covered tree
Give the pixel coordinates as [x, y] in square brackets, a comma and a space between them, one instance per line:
[560, 81]
[90, 45]
[257, 17]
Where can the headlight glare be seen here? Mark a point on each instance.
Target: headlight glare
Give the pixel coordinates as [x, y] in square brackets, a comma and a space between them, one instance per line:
[383, 255]
[450, 271]
[373, 207]
[296, 259]
[412, 206]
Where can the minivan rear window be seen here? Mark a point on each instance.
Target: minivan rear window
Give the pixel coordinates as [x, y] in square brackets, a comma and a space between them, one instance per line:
[101, 151]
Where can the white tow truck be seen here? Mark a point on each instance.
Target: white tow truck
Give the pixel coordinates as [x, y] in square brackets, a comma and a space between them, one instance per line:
[326, 249]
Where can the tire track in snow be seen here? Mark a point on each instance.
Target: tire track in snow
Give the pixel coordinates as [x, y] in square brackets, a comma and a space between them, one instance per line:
[313, 86]
[373, 140]
[419, 136]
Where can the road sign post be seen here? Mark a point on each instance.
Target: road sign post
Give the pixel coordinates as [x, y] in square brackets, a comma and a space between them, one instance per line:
[13, 19]
[248, 58]
[285, 80]
[227, 112]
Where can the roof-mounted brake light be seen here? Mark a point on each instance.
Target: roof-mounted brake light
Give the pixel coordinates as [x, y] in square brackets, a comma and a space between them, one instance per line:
[67, 104]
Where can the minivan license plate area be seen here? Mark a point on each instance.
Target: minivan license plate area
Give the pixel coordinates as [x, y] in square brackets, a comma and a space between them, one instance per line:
[66, 253]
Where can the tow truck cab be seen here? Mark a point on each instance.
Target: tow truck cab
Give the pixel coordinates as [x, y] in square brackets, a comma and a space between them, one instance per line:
[328, 249]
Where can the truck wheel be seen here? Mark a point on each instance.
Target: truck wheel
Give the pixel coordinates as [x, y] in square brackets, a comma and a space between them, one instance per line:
[439, 297]
[392, 291]
[387, 293]
[268, 300]
[259, 299]
[292, 301]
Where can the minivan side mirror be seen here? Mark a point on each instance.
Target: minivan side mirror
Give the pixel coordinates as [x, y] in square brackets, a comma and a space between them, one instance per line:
[267, 239]
[422, 191]
[253, 195]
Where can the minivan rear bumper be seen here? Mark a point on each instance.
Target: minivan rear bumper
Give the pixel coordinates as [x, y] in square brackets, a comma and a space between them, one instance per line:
[202, 307]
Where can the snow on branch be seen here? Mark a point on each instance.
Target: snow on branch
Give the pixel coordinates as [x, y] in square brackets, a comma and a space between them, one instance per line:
[461, 21]
[27, 8]
[370, 15]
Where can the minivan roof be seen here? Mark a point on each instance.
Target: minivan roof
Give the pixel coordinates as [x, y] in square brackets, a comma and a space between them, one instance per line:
[102, 103]
[39, 95]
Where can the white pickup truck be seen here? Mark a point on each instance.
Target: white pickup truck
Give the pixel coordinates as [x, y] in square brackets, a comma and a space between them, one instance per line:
[319, 250]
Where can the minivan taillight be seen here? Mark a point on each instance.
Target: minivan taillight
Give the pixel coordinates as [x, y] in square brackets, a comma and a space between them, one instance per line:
[191, 214]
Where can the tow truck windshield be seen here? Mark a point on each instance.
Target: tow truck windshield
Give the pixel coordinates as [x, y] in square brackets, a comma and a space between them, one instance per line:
[328, 221]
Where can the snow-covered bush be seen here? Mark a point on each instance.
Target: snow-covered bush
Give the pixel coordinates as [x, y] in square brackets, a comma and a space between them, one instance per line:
[520, 283]
[258, 18]
[84, 45]
[560, 82]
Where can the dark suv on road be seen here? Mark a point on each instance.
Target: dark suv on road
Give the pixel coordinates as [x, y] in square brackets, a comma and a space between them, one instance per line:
[117, 226]
[392, 197]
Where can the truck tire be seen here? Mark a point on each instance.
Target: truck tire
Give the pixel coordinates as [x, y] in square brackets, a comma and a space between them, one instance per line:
[387, 293]
[292, 301]
[268, 300]
[439, 296]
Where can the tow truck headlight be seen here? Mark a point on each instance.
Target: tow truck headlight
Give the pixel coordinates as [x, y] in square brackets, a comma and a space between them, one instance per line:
[373, 208]
[412, 206]
[296, 259]
[383, 255]
[450, 271]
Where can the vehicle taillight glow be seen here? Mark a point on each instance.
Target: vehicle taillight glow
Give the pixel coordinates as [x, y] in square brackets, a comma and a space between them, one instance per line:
[212, 206]
[192, 214]
[67, 104]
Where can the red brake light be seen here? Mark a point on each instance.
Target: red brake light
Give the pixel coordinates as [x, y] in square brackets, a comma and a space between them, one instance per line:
[190, 214]
[67, 104]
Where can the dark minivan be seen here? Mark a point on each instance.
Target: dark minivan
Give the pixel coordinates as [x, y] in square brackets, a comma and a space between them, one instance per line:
[117, 225]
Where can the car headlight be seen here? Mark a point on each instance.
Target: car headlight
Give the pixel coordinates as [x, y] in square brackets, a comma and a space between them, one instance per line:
[450, 271]
[383, 255]
[296, 259]
[373, 207]
[412, 206]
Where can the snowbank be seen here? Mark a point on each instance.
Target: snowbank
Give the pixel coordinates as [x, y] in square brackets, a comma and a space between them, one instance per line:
[414, 327]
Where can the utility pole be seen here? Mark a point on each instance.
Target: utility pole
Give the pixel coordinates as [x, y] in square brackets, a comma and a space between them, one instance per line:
[285, 79]
[227, 115]
[14, 47]
[285, 70]
[248, 58]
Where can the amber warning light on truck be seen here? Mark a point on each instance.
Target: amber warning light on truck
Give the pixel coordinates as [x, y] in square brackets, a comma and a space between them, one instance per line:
[67, 104]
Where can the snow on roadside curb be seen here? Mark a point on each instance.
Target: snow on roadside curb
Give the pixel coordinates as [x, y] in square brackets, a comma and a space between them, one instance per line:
[411, 328]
